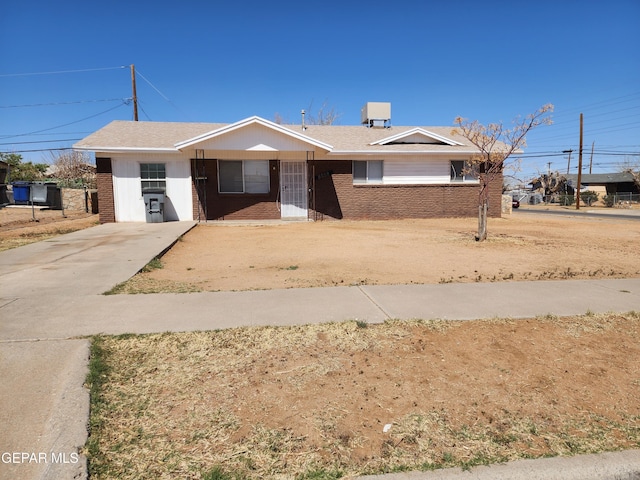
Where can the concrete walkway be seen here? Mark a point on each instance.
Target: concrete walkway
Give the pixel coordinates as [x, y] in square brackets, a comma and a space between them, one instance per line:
[50, 295]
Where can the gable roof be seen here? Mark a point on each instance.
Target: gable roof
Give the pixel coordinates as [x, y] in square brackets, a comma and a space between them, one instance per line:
[416, 135]
[247, 122]
[172, 137]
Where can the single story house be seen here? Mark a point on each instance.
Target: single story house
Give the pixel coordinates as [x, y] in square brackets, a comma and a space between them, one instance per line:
[606, 183]
[258, 169]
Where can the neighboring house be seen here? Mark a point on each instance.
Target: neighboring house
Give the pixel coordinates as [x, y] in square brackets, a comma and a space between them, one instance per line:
[606, 183]
[4, 173]
[257, 169]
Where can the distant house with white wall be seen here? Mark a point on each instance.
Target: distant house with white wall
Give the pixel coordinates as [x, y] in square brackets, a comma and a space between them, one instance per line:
[258, 169]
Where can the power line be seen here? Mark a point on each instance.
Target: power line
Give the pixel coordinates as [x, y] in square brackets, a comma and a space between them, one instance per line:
[159, 92]
[64, 103]
[43, 141]
[43, 150]
[61, 71]
[607, 102]
[152, 86]
[64, 125]
[65, 133]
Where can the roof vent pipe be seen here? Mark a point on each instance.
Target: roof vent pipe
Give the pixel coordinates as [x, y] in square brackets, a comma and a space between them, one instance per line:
[302, 112]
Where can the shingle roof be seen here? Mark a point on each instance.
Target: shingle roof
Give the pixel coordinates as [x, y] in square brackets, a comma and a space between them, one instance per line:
[143, 135]
[129, 135]
[601, 178]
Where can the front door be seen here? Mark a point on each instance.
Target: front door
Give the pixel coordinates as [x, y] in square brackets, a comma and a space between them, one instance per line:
[293, 189]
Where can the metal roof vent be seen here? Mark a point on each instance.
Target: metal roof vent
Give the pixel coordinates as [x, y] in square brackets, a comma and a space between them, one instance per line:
[376, 114]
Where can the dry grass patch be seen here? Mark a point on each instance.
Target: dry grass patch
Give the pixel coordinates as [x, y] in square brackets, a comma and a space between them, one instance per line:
[337, 400]
[16, 232]
[425, 251]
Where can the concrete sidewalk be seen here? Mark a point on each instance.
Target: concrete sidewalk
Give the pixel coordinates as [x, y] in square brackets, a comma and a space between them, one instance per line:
[50, 295]
[58, 316]
[601, 466]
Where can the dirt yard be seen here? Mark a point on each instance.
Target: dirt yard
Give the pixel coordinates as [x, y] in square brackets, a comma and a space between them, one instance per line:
[216, 256]
[18, 226]
[336, 400]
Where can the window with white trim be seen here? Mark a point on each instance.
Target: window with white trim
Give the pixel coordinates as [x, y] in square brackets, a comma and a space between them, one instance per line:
[153, 175]
[367, 171]
[243, 176]
[462, 172]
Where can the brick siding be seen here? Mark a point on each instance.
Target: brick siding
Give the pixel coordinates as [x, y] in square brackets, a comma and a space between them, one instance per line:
[233, 206]
[104, 179]
[337, 197]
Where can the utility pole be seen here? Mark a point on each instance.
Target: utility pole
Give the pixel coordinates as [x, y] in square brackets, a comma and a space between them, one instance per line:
[579, 168]
[133, 91]
[591, 161]
[569, 162]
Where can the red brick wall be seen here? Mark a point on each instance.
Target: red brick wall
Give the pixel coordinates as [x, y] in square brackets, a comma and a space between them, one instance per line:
[230, 206]
[104, 178]
[337, 197]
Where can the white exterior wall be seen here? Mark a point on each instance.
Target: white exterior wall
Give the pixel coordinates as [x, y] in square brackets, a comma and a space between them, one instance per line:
[411, 170]
[127, 186]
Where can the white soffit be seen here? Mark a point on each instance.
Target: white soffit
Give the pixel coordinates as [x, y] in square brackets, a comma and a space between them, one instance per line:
[252, 121]
[416, 131]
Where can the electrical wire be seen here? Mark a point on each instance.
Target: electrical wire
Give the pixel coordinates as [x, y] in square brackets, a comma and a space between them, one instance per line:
[64, 125]
[152, 86]
[43, 150]
[42, 141]
[61, 71]
[138, 73]
[64, 103]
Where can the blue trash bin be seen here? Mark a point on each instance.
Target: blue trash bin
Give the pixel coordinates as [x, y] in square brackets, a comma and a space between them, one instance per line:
[21, 192]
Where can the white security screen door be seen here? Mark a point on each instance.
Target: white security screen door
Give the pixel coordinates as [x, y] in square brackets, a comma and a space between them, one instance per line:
[293, 189]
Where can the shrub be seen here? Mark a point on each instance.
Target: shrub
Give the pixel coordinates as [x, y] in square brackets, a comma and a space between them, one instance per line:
[566, 200]
[609, 200]
[589, 197]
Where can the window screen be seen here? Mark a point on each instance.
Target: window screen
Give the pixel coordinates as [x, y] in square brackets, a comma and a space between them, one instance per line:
[457, 168]
[153, 175]
[374, 171]
[256, 176]
[230, 176]
[243, 176]
[359, 172]
[369, 171]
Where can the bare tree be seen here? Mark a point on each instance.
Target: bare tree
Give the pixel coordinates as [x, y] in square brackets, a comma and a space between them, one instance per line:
[636, 176]
[326, 115]
[73, 168]
[550, 183]
[631, 165]
[279, 119]
[495, 144]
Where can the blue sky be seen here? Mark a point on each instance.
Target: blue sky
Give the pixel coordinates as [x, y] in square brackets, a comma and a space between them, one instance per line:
[209, 61]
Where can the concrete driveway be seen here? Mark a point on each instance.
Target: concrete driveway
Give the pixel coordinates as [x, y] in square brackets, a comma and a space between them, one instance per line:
[43, 405]
[50, 298]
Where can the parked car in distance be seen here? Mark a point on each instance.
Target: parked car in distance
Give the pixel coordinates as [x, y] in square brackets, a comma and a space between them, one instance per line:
[515, 203]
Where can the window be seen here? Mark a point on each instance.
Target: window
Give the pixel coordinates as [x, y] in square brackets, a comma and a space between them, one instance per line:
[153, 175]
[243, 176]
[369, 171]
[461, 172]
